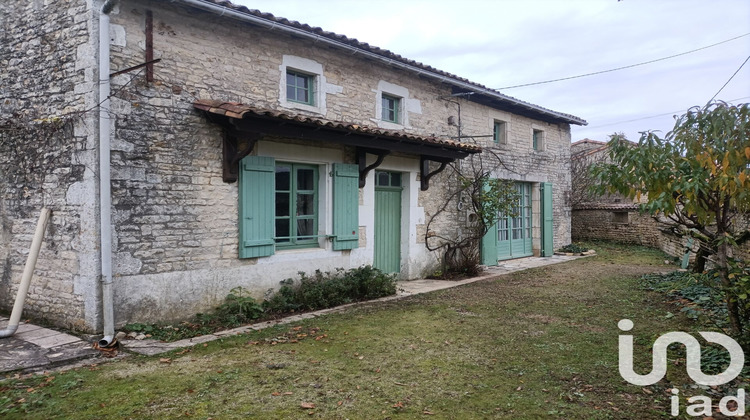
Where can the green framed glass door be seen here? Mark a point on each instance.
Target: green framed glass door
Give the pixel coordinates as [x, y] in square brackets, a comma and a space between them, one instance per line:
[514, 233]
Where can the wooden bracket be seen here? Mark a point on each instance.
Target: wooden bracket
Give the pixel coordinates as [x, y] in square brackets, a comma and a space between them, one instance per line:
[424, 169]
[232, 154]
[362, 161]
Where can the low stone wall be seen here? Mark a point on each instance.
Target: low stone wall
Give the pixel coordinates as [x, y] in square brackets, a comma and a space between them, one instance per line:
[631, 227]
[622, 225]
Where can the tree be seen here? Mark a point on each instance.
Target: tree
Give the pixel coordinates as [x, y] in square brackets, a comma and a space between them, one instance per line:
[473, 203]
[697, 177]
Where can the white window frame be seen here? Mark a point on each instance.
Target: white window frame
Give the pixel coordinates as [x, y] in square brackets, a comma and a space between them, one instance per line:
[499, 117]
[320, 87]
[541, 142]
[406, 106]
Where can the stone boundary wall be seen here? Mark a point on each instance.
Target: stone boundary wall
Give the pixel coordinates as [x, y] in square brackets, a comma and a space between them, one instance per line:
[640, 229]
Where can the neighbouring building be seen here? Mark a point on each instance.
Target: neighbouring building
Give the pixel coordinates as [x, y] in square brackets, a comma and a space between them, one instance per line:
[188, 147]
[613, 217]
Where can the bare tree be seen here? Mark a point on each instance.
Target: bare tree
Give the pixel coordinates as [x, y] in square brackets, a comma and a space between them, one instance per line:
[474, 201]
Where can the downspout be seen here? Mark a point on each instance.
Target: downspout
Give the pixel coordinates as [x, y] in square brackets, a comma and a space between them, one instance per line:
[105, 193]
[28, 271]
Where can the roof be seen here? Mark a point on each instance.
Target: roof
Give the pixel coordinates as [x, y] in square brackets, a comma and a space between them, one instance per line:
[242, 111]
[588, 141]
[226, 8]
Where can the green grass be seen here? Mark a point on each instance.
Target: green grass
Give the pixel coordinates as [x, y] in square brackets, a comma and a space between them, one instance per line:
[540, 343]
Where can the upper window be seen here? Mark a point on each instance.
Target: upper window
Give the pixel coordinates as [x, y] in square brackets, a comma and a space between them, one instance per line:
[537, 140]
[296, 202]
[391, 109]
[498, 132]
[300, 87]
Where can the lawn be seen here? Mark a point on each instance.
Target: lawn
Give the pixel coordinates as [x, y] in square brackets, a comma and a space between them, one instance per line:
[541, 343]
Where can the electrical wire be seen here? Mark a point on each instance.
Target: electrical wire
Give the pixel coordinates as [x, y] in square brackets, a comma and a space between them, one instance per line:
[623, 67]
[653, 116]
[730, 79]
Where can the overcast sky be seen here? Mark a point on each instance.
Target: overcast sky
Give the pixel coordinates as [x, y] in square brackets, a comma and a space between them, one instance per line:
[504, 43]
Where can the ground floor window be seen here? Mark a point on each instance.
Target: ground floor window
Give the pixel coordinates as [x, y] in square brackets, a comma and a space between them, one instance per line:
[296, 205]
[279, 205]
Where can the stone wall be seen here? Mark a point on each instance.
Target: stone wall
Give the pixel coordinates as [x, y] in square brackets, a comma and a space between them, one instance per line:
[640, 229]
[175, 238]
[48, 158]
[621, 225]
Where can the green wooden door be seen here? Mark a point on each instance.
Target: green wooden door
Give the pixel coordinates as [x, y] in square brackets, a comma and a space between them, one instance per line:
[387, 221]
[514, 233]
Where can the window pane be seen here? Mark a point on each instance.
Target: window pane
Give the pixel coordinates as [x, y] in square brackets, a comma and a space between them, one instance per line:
[305, 179]
[305, 228]
[305, 204]
[395, 180]
[282, 204]
[303, 95]
[282, 178]
[382, 179]
[282, 230]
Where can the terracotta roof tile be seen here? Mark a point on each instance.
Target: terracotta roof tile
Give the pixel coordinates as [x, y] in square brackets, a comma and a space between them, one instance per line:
[239, 110]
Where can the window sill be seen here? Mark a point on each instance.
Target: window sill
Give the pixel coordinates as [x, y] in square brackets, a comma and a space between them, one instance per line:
[302, 106]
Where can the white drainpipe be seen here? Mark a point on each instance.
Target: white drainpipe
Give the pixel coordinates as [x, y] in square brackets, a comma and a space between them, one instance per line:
[105, 194]
[28, 271]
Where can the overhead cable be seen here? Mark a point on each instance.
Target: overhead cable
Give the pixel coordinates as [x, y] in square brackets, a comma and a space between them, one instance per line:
[624, 67]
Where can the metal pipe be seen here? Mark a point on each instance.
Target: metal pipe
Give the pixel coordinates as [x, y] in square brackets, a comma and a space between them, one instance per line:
[105, 193]
[28, 271]
[224, 10]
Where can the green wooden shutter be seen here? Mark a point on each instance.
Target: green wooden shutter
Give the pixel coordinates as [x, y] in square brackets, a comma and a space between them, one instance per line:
[256, 207]
[345, 206]
[489, 246]
[547, 225]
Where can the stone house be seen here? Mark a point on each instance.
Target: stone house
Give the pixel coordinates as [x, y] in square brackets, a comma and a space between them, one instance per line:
[192, 146]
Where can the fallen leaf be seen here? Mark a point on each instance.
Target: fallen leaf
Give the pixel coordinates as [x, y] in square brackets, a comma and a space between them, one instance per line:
[165, 360]
[307, 405]
[398, 405]
[519, 388]
[430, 413]
[275, 394]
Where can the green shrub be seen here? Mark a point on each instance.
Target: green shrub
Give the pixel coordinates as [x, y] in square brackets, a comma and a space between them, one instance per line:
[574, 248]
[238, 308]
[329, 289]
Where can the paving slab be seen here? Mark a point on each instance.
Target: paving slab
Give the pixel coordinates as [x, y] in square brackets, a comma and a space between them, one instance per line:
[38, 348]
